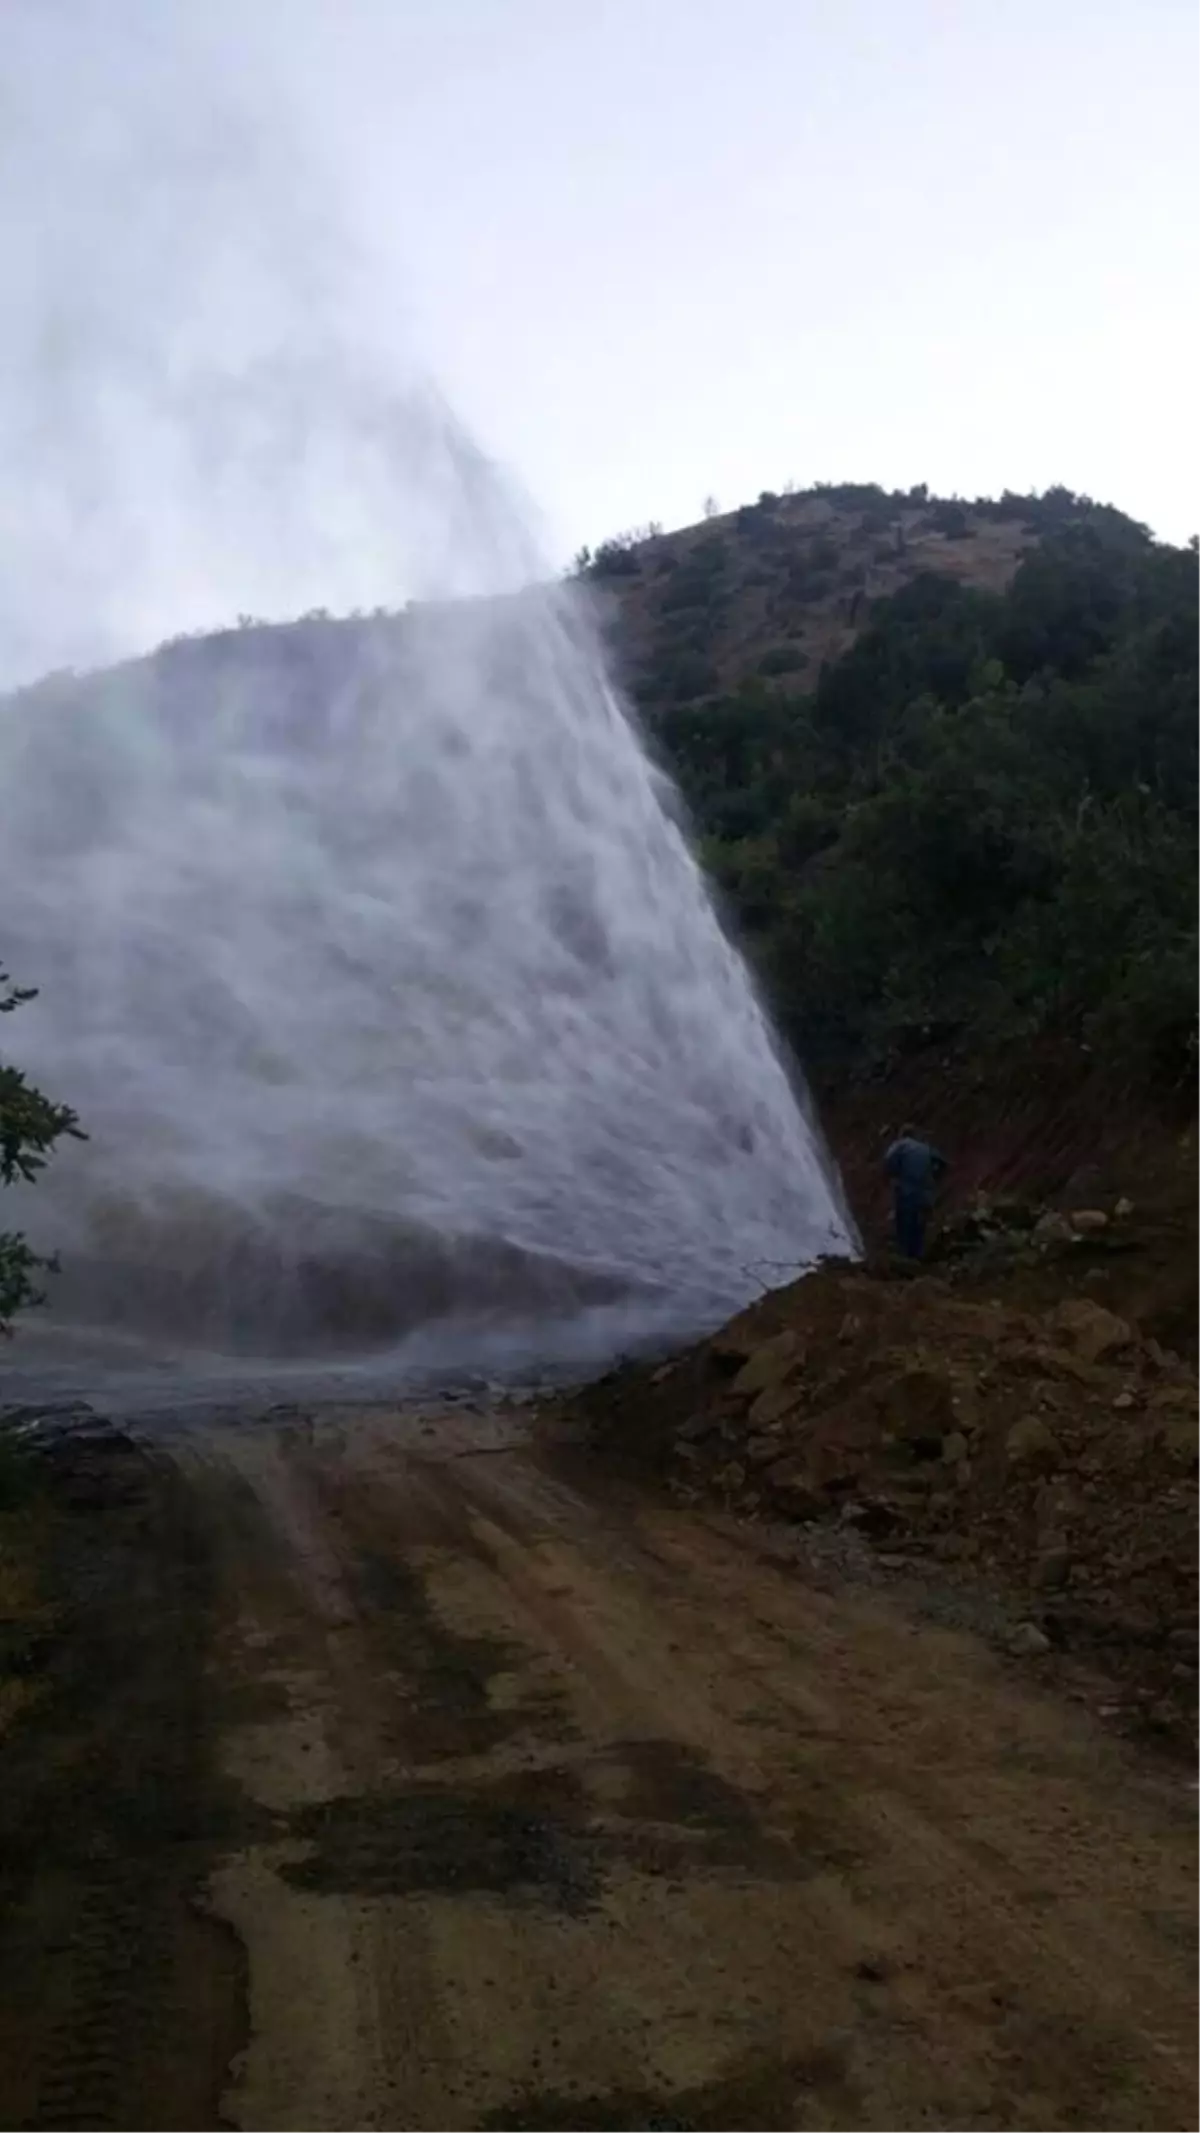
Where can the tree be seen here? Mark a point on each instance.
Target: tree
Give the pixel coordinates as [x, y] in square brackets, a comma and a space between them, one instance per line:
[950, 518]
[979, 822]
[30, 1124]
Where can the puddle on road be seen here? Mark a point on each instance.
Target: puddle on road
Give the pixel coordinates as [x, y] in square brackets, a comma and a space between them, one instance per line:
[539, 1833]
[497, 1839]
[749, 2099]
[455, 1692]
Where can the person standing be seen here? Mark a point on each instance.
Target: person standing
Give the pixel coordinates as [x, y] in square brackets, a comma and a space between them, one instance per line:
[914, 1167]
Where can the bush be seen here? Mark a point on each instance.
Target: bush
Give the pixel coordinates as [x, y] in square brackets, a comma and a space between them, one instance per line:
[982, 819]
[683, 677]
[30, 1125]
[951, 519]
[614, 559]
[781, 659]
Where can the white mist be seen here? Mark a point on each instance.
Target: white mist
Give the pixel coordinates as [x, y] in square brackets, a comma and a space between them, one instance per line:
[372, 954]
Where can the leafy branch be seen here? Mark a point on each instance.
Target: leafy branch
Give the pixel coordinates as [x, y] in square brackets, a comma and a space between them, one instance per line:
[30, 1125]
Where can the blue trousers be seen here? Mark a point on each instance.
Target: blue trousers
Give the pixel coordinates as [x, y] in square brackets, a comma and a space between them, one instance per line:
[910, 1212]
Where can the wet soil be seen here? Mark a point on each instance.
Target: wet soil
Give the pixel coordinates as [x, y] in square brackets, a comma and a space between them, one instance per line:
[124, 1998]
[383, 1768]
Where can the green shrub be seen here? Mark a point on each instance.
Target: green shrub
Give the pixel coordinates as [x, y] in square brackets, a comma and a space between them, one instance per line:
[30, 1125]
[981, 821]
[781, 659]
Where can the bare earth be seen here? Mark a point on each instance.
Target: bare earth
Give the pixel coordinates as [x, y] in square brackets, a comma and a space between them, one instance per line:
[414, 1779]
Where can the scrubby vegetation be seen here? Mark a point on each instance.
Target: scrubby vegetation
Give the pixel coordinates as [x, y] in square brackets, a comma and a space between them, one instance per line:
[976, 823]
[30, 1124]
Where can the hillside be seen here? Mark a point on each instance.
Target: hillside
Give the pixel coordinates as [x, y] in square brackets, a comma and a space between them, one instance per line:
[940, 759]
[778, 587]
[942, 763]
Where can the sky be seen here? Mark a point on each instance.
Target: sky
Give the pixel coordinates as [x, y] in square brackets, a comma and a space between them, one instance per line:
[648, 251]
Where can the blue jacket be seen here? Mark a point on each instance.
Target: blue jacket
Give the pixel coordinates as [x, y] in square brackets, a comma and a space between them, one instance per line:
[914, 1168]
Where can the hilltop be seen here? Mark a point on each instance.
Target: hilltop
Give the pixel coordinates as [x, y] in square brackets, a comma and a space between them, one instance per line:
[782, 586]
[785, 585]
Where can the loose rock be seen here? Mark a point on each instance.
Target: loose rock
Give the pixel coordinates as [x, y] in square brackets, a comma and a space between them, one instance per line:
[1032, 1443]
[1027, 1641]
[1053, 1568]
[1092, 1331]
[770, 1363]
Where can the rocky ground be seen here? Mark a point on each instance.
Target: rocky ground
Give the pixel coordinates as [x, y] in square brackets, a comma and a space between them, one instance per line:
[988, 1425]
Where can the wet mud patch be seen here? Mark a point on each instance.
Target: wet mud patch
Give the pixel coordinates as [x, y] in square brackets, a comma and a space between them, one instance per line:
[771, 2094]
[538, 1834]
[668, 1784]
[505, 1839]
[108, 1816]
[447, 1682]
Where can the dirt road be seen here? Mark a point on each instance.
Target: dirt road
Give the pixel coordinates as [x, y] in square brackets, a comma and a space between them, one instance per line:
[396, 1775]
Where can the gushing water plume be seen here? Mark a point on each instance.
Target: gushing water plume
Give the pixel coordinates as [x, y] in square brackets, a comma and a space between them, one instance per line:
[371, 952]
[375, 960]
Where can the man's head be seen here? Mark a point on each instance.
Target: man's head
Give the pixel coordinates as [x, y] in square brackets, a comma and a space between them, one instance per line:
[909, 1133]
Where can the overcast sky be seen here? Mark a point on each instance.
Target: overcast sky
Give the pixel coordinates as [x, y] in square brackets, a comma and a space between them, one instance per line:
[664, 247]
[649, 249]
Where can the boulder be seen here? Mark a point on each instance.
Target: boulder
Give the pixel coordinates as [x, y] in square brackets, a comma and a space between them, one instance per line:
[1091, 1330]
[762, 1449]
[916, 1403]
[1027, 1641]
[772, 1361]
[737, 1341]
[955, 1447]
[1032, 1445]
[1056, 1506]
[1060, 1362]
[695, 1427]
[1087, 1221]
[791, 1485]
[775, 1403]
[1052, 1228]
[1053, 1567]
[1178, 1398]
[1162, 1359]
[832, 1459]
[1175, 1432]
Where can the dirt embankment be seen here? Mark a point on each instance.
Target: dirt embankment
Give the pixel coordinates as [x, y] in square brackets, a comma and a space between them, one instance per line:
[990, 1425]
[1049, 1127]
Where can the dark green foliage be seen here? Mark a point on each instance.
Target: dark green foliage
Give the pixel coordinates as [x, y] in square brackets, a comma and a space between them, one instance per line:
[980, 826]
[952, 520]
[29, 1127]
[781, 659]
[684, 675]
[614, 559]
